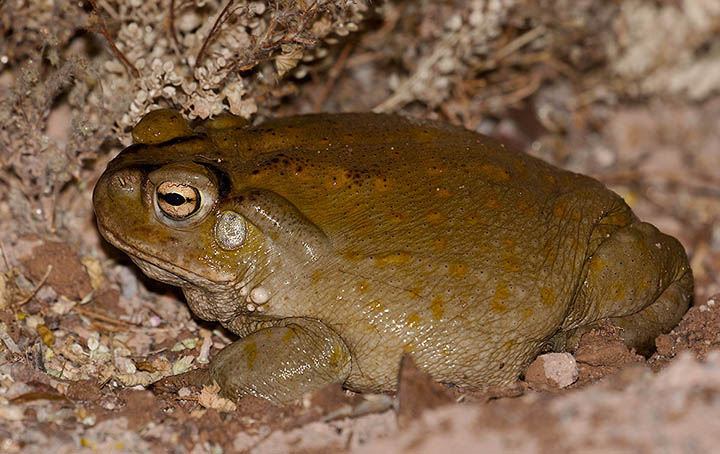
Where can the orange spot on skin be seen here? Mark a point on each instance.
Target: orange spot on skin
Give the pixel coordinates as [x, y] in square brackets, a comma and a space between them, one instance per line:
[493, 204]
[435, 217]
[250, 350]
[472, 220]
[317, 275]
[437, 307]
[597, 265]
[527, 312]
[352, 255]
[494, 173]
[408, 348]
[458, 269]
[498, 306]
[413, 319]
[362, 286]
[559, 209]
[393, 258]
[439, 244]
[548, 296]
[289, 334]
[526, 209]
[443, 193]
[617, 290]
[382, 184]
[575, 215]
[396, 216]
[502, 292]
[551, 179]
[619, 219]
[510, 264]
[508, 345]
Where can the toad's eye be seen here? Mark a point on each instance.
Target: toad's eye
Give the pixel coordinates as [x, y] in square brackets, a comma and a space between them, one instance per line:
[176, 200]
[183, 194]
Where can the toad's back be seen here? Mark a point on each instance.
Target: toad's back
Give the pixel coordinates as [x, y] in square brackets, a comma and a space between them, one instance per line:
[447, 245]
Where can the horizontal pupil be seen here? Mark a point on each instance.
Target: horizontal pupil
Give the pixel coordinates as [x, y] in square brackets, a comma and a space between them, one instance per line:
[173, 198]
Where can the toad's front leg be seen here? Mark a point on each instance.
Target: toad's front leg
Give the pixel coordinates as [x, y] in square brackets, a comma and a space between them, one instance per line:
[282, 362]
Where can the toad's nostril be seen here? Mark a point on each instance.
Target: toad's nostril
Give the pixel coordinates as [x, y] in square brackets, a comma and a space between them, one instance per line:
[126, 180]
[120, 187]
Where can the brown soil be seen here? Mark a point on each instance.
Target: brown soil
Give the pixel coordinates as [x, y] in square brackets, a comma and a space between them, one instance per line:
[610, 89]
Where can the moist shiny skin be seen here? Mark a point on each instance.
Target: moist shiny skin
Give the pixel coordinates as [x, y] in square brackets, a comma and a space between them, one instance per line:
[335, 243]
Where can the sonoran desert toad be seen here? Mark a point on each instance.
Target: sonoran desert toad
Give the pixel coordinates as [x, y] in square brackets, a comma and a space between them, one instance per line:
[334, 243]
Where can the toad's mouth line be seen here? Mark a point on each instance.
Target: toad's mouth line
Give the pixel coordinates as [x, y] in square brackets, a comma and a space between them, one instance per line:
[153, 260]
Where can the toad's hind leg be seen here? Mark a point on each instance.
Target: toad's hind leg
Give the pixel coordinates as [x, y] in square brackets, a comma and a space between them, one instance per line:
[640, 280]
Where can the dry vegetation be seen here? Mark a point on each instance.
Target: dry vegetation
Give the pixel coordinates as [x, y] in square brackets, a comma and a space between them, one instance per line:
[628, 91]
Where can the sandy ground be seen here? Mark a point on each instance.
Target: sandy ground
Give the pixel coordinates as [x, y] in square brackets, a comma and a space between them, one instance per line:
[83, 334]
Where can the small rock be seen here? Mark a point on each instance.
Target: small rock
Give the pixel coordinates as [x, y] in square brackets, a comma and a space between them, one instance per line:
[552, 370]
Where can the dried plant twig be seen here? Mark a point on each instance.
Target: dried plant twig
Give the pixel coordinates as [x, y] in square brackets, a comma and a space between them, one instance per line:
[102, 317]
[333, 75]
[171, 26]
[37, 287]
[103, 31]
[222, 17]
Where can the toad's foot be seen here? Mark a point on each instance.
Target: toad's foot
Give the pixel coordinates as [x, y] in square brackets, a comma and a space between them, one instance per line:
[281, 363]
[640, 280]
[173, 383]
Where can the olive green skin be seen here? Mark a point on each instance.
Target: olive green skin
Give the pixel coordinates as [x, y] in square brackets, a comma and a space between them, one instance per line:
[369, 236]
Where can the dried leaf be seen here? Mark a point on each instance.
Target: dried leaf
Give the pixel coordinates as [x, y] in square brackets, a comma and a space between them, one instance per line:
[209, 398]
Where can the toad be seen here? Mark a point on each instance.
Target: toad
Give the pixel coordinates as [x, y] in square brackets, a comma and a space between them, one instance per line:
[332, 244]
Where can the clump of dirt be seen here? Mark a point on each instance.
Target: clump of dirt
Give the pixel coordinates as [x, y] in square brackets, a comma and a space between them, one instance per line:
[602, 352]
[417, 392]
[57, 265]
[698, 332]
